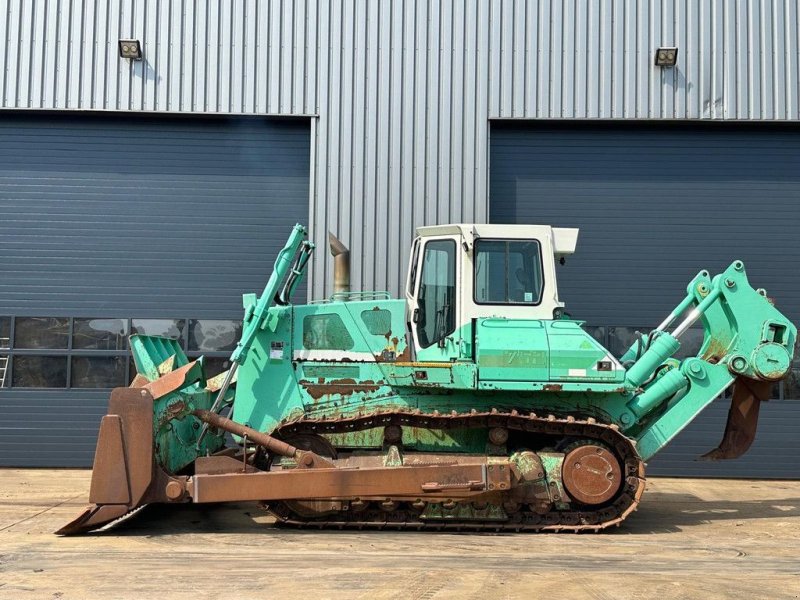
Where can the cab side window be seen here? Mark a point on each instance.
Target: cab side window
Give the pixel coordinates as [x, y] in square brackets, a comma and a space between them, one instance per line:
[436, 316]
[508, 272]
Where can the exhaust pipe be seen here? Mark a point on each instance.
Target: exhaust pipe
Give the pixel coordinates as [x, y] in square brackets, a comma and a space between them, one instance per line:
[341, 265]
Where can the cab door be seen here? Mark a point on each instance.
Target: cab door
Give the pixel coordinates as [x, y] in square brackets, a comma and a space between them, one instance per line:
[433, 304]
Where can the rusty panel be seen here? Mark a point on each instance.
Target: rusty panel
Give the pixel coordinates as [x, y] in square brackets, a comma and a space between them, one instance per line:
[433, 481]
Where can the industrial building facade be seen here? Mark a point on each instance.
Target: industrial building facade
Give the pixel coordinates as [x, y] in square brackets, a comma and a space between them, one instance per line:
[147, 194]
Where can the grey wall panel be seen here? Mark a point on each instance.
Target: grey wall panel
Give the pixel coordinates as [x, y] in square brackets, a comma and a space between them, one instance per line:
[549, 59]
[772, 455]
[134, 216]
[403, 89]
[50, 428]
[655, 204]
[144, 216]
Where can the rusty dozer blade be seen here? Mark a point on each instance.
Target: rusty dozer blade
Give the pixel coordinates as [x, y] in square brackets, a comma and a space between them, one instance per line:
[740, 429]
[123, 462]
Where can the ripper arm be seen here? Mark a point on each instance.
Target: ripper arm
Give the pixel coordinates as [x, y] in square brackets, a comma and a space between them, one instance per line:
[747, 341]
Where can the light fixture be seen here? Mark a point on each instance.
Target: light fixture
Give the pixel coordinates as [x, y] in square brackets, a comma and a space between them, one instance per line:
[130, 49]
[666, 57]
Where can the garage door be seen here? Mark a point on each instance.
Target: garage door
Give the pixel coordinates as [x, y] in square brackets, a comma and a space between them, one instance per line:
[656, 204]
[111, 225]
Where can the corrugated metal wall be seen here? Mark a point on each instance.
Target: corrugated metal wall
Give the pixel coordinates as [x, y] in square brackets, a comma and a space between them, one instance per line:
[144, 216]
[47, 428]
[404, 90]
[133, 216]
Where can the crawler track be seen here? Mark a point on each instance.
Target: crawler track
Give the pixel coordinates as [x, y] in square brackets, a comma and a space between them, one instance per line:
[405, 517]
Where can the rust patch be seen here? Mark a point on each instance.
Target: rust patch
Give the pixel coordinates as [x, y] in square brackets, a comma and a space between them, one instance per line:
[405, 355]
[343, 387]
[715, 351]
[553, 387]
[139, 381]
[173, 411]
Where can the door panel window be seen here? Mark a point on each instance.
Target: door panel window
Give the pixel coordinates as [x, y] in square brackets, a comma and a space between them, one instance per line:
[436, 314]
[412, 271]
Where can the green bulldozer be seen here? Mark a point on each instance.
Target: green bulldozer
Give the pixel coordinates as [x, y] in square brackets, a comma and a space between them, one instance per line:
[474, 403]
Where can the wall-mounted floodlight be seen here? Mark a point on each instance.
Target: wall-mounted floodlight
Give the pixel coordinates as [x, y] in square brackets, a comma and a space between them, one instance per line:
[666, 57]
[130, 49]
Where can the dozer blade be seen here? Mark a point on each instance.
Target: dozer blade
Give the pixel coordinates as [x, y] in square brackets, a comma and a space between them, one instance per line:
[95, 517]
[740, 430]
[123, 462]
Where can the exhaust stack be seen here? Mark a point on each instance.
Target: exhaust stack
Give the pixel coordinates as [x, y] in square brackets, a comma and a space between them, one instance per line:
[341, 265]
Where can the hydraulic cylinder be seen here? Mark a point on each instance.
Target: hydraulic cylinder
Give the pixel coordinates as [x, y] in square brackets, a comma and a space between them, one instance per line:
[661, 348]
[661, 389]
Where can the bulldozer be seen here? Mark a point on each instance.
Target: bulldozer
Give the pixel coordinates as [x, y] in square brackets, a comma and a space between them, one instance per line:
[473, 403]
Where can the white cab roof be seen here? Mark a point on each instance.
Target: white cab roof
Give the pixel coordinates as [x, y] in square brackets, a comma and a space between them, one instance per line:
[564, 238]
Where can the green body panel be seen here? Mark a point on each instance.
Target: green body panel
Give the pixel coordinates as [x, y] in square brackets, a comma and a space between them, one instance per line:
[267, 372]
[575, 355]
[509, 350]
[375, 327]
[175, 432]
[343, 358]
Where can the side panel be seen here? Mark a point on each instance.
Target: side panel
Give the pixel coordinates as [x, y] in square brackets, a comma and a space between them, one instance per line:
[577, 356]
[512, 350]
[266, 388]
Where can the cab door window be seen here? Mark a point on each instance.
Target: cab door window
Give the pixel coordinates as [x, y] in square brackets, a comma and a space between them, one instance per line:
[436, 315]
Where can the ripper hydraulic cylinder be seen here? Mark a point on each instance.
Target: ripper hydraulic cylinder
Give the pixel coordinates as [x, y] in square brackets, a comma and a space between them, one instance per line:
[662, 347]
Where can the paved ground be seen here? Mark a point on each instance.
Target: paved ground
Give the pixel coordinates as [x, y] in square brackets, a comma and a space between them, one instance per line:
[690, 539]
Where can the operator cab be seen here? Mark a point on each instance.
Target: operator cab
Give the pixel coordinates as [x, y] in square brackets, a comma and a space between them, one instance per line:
[459, 273]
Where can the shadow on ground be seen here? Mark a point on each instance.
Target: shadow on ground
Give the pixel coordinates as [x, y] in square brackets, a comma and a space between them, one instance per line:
[666, 512]
[661, 512]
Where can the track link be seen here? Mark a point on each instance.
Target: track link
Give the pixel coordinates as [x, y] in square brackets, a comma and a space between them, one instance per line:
[404, 517]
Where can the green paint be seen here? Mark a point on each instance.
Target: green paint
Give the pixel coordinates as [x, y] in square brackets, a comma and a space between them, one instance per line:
[331, 371]
[553, 462]
[175, 432]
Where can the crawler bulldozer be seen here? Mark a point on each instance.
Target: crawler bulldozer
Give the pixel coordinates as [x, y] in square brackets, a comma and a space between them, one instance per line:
[473, 403]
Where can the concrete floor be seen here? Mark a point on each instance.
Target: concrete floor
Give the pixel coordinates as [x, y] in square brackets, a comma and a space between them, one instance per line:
[690, 539]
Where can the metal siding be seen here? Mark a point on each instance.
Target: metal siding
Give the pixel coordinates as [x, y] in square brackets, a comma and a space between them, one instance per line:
[657, 203]
[373, 70]
[772, 455]
[144, 216]
[148, 217]
[50, 428]
[439, 68]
